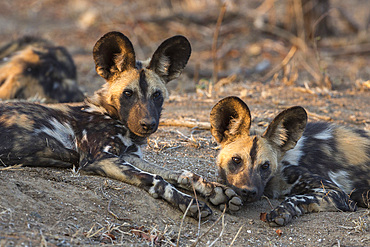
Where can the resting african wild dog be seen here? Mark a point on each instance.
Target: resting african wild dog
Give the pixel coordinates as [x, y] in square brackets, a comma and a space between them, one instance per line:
[103, 135]
[315, 165]
[31, 68]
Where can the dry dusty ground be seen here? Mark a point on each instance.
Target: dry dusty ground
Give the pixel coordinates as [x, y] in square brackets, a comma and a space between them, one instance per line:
[52, 207]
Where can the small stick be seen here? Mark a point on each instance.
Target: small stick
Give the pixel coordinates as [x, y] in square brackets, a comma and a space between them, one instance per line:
[205, 233]
[184, 123]
[214, 44]
[196, 199]
[109, 211]
[294, 40]
[314, 115]
[221, 233]
[237, 234]
[297, 5]
[15, 167]
[182, 221]
[285, 61]
[268, 200]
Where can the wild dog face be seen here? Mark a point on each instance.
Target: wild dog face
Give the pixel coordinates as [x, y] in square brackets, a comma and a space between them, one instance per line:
[135, 90]
[248, 163]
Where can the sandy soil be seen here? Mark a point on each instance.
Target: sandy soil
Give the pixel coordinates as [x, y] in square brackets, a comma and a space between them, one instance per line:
[53, 207]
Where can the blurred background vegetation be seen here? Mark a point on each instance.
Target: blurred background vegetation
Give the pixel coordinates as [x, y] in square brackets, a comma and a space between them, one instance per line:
[305, 43]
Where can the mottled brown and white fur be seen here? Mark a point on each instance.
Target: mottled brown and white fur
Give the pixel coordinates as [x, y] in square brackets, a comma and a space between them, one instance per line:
[318, 166]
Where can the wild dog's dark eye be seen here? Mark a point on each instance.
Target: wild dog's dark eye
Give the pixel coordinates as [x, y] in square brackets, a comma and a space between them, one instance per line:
[236, 160]
[156, 95]
[128, 93]
[265, 165]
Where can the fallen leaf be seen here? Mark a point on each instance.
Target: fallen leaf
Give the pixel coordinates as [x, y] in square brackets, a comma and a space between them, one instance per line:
[263, 217]
[145, 234]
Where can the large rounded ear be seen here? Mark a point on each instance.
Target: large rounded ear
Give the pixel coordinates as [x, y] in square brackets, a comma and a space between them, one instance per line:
[230, 117]
[171, 57]
[287, 128]
[113, 53]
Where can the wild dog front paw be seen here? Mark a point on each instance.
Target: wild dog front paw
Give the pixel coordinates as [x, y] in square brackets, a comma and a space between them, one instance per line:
[216, 193]
[223, 195]
[196, 209]
[280, 216]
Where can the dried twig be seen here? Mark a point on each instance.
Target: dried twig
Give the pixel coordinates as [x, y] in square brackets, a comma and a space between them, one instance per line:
[297, 4]
[182, 221]
[184, 123]
[285, 61]
[110, 211]
[222, 232]
[237, 234]
[90, 233]
[268, 200]
[314, 115]
[196, 199]
[348, 50]
[214, 45]
[15, 167]
[293, 39]
[205, 233]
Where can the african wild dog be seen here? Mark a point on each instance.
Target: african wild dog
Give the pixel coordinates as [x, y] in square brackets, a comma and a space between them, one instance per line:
[318, 166]
[103, 135]
[32, 68]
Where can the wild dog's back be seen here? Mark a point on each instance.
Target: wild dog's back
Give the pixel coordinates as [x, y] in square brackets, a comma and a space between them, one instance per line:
[337, 153]
[36, 135]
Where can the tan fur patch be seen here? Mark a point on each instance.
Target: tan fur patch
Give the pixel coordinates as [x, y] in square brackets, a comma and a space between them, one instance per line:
[15, 118]
[12, 75]
[155, 84]
[354, 147]
[241, 147]
[130, 80]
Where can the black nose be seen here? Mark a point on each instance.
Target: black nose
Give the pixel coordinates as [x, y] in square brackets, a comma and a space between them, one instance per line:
[147, 124]
[249, 194]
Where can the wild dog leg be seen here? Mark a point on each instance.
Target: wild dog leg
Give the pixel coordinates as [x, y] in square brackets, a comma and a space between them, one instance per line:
[116, 168]
[216, 193]
[312, 194]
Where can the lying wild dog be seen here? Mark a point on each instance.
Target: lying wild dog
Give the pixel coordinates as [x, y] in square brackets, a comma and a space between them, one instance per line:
[317, 166]
[31, 67]
[103, 135]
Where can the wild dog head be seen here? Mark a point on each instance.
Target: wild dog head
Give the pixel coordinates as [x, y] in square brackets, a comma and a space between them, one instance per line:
[135, 90]
[247, 163]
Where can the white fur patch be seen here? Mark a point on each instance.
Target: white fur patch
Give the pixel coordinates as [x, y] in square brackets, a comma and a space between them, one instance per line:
[324, 135]
[94, 108]
[62, 132]
[341, 179]
[301, 198]
[138, 153]
[107, 148]
[282, 136]
[126, 140]
[293, 156]
[84, 136]
[164, 64]
[152, 188]
[168, 191]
